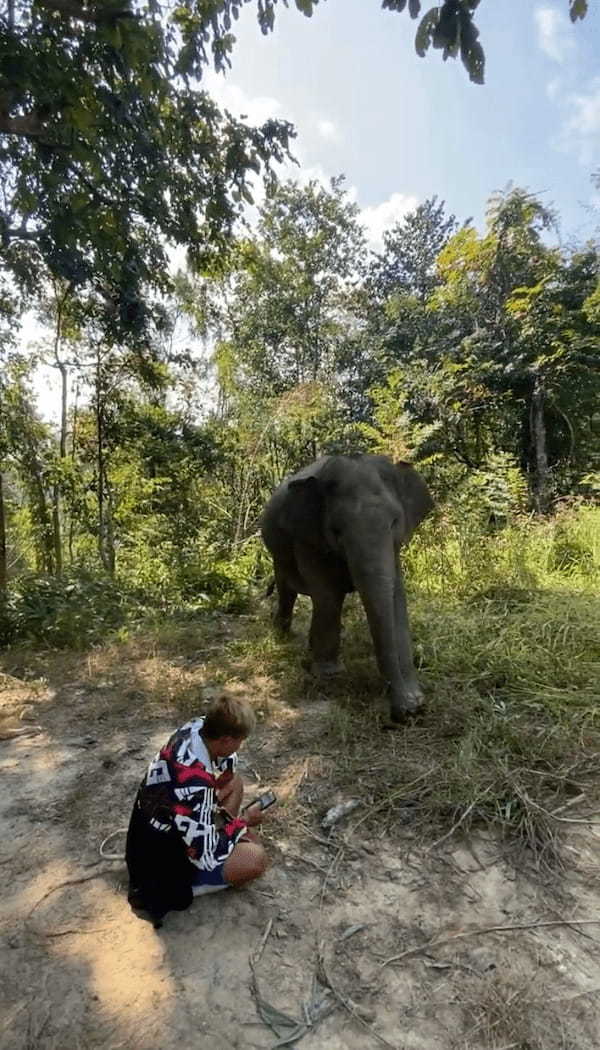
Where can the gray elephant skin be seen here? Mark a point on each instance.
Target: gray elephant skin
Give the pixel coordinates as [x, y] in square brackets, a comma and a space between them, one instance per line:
[335, 527]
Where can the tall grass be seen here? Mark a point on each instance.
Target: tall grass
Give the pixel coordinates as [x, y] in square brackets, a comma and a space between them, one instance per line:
[506, 626]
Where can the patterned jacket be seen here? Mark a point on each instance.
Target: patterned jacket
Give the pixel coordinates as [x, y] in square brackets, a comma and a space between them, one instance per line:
[178, 792]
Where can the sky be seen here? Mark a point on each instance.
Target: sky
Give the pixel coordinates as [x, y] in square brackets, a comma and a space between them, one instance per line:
[402, 128]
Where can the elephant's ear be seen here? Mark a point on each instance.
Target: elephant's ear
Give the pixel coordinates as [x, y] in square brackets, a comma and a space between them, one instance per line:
[302, 511]
[414, 495]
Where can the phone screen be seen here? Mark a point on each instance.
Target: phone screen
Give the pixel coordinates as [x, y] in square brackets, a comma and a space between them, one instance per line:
[264, 801]
[267, 799]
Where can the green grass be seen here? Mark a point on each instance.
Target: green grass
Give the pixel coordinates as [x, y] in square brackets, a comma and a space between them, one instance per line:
[507, 637]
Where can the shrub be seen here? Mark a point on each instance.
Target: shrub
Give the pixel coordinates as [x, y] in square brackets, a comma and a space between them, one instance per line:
[68, 611]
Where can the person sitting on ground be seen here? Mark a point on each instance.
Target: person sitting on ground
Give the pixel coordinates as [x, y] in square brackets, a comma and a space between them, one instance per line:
[186, 836]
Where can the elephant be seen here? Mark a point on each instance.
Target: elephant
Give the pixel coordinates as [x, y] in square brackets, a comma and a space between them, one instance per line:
[334, 527]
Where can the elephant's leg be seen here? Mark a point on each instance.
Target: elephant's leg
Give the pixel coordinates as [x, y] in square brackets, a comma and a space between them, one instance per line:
[324, 635]
[410, 683]
[286, 598]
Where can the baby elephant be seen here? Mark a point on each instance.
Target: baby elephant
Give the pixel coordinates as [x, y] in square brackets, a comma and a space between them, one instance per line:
[335, 527]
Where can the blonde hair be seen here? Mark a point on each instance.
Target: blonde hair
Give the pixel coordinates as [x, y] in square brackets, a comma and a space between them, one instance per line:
[228, 716]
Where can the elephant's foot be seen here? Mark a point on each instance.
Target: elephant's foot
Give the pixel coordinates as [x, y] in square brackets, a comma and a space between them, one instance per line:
[405, 705]
[282, 628]
[322, 668]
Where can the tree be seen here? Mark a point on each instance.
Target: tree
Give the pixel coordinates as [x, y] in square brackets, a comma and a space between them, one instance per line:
[511, 339]
[27, 453]
[110, 153]
[402, 278]
[283, 325]
[282, 320]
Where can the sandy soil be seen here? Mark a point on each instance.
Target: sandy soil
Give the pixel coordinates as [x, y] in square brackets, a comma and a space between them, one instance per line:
[79, 970]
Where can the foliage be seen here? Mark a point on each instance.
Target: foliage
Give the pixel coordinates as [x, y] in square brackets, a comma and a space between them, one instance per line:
[75, 610]
[109, 152]
[449, 27]
[473, 355]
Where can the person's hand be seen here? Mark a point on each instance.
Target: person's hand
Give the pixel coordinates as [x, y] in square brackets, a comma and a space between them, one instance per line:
[254, 815]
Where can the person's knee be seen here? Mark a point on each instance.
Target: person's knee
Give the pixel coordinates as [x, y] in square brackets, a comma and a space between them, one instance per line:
[259, 861]
[247, 862]
[255, 862]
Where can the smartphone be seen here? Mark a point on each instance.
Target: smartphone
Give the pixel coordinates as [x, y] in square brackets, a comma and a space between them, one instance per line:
[264, 801]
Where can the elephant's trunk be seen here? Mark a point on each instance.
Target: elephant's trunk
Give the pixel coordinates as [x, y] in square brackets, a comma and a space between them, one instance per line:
[375, 581]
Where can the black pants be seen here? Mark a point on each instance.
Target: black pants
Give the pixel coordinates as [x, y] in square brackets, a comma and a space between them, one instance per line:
[159, 870]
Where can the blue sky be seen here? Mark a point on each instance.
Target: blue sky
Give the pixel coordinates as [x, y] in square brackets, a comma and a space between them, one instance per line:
[403, 128]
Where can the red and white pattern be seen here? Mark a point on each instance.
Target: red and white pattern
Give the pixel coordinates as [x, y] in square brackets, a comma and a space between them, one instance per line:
[179, 791]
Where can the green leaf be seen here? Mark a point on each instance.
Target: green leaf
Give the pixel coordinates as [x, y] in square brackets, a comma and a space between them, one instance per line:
[393, 5]
[425, 32]
[578, 9]
[305, 6]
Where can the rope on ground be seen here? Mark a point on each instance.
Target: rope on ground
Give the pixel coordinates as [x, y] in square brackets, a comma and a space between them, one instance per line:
[112, 856]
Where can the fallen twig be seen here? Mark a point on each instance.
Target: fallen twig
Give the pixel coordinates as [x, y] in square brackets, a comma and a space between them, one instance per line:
[567, 805]
[10, 734]
[287, 1029]
[307, 860]
[69, 882]
[336, 857]
[391, 798]
[438, 942]
[562, 820]
[578, 995]
[74, 933]
[460, 821]
[348, 1006]
[257, 954]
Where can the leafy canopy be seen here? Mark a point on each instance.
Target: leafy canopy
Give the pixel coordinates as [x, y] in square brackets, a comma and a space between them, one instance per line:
[109, 148]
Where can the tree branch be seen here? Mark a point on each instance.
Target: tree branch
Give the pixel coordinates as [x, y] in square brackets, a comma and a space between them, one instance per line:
[73, 9]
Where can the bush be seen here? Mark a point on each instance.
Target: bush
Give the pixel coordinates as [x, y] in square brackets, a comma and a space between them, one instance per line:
[67, 611]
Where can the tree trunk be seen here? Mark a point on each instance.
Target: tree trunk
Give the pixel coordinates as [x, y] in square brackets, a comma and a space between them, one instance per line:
[109, 532]
[538, 440]
[56, 525]
[56, 535]
[73, 448]
[46, 548]
[100, 465]
[3, 560]
[106, 545]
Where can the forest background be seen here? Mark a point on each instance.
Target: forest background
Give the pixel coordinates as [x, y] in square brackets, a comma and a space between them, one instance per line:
[472, 353]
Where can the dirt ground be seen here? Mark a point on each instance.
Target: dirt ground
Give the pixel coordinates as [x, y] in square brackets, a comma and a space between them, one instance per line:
[314, 940]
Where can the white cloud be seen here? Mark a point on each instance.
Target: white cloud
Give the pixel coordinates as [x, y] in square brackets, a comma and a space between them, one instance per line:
[554, 88]
[328, 130]
[585, 119]
[581, 127]
[255, 111]
[378, 218]
[554, 33]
